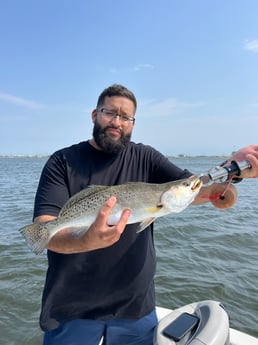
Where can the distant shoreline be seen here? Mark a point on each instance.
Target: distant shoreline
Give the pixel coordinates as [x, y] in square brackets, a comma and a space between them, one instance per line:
[174, 156]
[24, 156]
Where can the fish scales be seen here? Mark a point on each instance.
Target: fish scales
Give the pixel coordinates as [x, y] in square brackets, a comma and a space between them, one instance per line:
[145, 200]
[125, 194]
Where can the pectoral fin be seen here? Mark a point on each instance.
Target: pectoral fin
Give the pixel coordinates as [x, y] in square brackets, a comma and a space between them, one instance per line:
[144, 224]
[154, 209]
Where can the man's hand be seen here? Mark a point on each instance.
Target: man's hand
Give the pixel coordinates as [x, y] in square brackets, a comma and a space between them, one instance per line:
[100, 234]
[249, 153]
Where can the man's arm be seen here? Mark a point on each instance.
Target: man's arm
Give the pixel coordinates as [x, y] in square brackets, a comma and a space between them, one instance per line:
[100, 235]
[221, 195]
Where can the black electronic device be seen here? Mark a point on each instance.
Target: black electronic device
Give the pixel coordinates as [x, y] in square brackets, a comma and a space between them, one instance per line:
[178, 328]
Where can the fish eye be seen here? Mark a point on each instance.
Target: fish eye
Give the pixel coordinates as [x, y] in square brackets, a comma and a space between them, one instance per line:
[187, 183]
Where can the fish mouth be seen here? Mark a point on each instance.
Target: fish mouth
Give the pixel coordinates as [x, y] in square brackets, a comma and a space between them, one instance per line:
[197, 185]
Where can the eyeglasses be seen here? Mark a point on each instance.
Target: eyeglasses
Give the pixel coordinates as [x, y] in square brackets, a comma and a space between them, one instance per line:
[110, 115]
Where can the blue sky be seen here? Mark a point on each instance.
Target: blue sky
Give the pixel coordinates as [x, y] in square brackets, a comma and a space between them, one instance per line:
[193, 66]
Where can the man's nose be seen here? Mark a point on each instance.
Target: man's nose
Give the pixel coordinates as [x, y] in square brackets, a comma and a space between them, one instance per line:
[116, 118]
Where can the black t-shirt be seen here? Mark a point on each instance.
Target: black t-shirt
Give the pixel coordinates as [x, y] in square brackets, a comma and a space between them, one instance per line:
[114, 282]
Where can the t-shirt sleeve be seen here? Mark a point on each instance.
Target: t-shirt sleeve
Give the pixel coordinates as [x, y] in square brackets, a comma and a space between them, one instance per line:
[170, 170]
[164, 170]
[53, 191]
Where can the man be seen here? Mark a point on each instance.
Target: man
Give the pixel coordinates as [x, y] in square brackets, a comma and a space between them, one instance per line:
[101, 285]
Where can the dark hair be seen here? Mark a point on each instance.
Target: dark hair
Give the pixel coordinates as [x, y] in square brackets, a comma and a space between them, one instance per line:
[116, 90]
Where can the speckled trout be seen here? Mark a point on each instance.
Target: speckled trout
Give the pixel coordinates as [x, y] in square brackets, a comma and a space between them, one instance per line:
[147, 201]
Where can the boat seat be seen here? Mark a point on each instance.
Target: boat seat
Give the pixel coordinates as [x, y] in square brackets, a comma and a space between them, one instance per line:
[212, 328]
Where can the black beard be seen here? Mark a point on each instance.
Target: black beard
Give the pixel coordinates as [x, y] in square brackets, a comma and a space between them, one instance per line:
[105, 143]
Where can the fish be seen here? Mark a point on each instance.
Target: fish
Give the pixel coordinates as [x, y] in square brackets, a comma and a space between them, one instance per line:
[146, 201]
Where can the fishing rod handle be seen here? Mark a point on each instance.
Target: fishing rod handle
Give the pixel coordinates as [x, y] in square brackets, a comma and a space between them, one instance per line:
[222, 174]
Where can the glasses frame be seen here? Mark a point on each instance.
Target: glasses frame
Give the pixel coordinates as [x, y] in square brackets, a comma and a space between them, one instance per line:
[126, 119]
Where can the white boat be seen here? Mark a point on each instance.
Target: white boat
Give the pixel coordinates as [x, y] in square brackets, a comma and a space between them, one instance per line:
[211, 328]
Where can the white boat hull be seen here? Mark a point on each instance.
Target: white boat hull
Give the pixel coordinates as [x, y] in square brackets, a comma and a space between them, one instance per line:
[240, 338]
[236, 337]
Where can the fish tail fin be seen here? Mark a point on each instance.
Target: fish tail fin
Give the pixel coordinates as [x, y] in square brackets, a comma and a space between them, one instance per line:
[36, 236]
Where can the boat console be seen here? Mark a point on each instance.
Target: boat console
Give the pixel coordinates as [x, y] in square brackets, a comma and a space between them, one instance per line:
[201, 323]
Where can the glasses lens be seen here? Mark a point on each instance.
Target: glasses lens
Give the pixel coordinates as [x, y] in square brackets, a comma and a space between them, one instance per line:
[126, 119]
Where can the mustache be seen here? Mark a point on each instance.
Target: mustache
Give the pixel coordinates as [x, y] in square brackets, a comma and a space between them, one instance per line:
[114, 127]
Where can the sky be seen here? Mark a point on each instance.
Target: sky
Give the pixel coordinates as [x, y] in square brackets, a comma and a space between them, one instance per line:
[192, 64]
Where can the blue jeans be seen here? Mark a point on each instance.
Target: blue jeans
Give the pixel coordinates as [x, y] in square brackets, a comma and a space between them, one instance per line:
[115, 332]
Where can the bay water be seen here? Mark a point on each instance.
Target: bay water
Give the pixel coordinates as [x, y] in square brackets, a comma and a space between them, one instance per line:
[202, 253]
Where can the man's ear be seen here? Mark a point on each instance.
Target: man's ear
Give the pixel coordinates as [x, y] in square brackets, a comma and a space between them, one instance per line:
[94, 115]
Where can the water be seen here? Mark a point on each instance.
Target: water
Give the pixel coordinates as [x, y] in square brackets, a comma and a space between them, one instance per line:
[203, 253]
